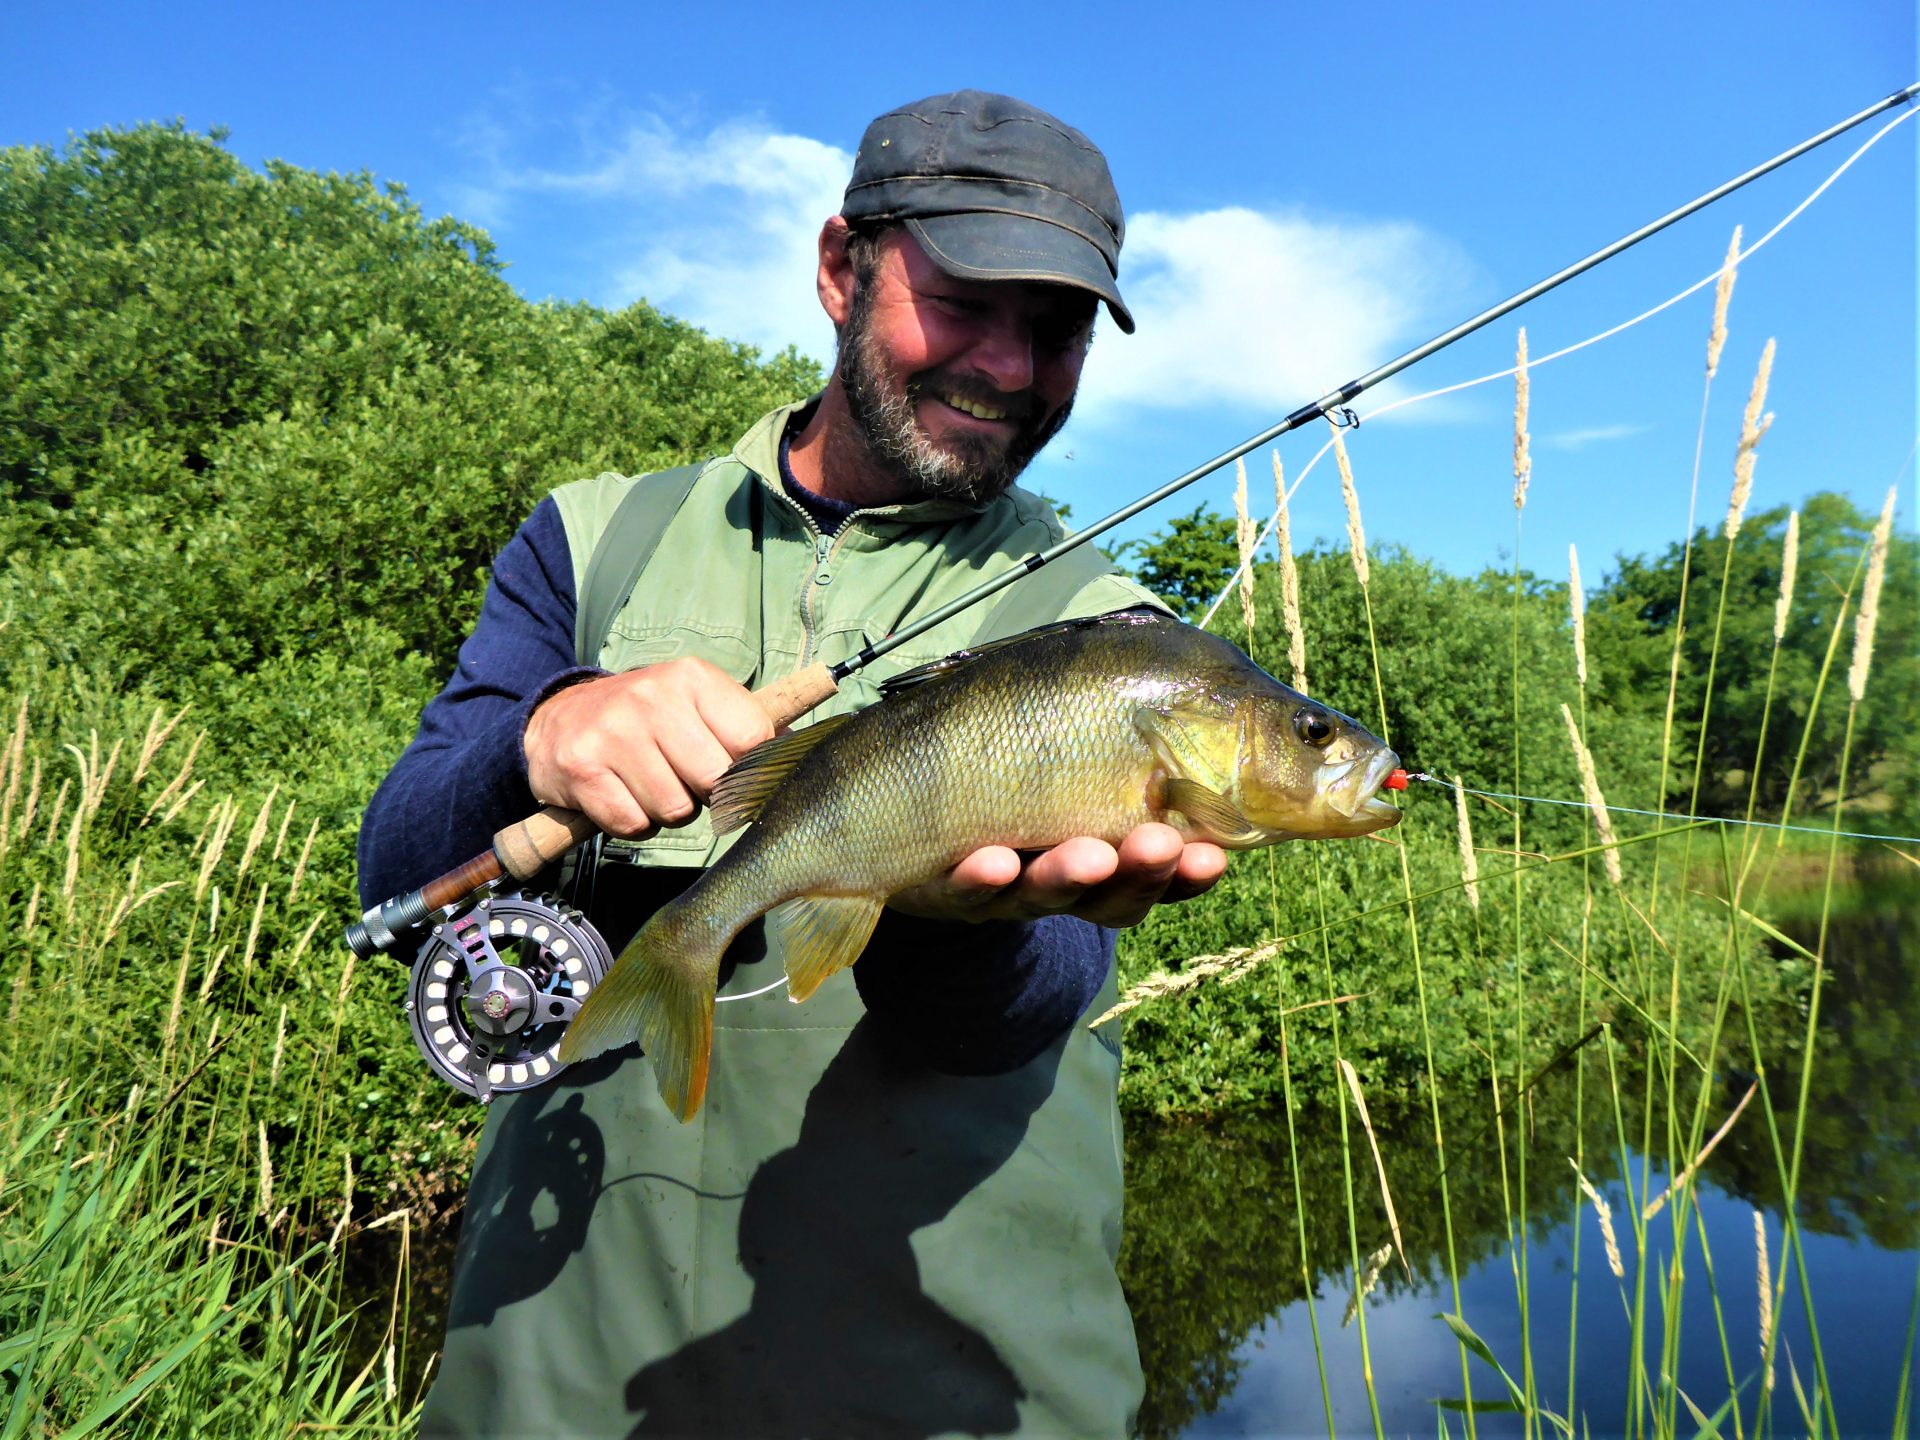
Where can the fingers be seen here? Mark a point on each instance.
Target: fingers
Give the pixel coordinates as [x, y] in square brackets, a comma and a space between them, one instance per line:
[643, 749]
[1084, 877]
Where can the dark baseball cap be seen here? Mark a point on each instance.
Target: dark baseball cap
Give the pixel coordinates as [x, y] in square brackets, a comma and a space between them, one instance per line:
[994, 189]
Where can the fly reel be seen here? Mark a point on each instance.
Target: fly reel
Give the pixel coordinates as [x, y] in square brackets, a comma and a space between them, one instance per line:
[495, 986]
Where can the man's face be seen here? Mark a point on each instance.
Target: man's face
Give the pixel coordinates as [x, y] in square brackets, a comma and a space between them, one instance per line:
[954, 385]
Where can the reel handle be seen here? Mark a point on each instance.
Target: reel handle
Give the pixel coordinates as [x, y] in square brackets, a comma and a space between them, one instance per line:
[526, 847]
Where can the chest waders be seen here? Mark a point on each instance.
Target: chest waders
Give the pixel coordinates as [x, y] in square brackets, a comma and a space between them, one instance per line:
[842, 1243]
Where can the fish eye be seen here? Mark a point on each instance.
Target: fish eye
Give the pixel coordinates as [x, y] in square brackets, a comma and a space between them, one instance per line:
[1313, 726]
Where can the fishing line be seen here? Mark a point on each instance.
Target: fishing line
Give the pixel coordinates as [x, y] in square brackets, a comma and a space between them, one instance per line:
[750, 994]
[1536, 363]
[1667, 815]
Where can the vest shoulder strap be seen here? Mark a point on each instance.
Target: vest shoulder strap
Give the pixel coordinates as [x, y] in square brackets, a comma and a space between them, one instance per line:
[622, 551]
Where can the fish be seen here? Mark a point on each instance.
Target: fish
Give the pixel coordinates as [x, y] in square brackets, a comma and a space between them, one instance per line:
[1081, 727]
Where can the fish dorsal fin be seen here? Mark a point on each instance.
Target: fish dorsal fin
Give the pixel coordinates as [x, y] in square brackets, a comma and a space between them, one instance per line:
[820, 935]
[959, 659]
[757, 774]
[1211, 813]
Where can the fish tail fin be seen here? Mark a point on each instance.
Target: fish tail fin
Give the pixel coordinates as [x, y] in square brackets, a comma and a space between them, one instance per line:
[659, 993]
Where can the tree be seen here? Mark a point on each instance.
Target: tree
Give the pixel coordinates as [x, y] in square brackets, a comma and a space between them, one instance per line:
[1630, 627]
[248, 415]
[1189, 562]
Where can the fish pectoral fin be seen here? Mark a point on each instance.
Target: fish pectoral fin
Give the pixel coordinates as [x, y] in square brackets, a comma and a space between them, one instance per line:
[820, 935]
[1178, 738]
[1210, 812]
[740, 793]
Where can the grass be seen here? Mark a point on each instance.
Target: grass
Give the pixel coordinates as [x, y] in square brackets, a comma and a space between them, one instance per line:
[159, 1276]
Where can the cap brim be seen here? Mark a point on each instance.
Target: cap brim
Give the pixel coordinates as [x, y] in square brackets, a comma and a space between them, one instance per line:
[993, 245]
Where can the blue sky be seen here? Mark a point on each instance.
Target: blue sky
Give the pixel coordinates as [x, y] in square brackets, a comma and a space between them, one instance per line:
[1311, 191]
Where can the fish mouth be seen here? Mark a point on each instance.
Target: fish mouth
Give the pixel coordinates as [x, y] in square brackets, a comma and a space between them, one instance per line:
[1356, 792]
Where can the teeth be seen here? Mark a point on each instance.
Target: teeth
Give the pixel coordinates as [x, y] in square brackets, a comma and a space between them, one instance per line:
[975, 408]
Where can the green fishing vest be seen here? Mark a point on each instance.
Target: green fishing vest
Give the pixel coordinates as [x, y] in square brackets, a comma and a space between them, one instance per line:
[842, 1242]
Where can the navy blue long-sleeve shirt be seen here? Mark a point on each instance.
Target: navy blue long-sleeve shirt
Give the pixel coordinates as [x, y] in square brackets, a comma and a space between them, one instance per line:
[967, 999]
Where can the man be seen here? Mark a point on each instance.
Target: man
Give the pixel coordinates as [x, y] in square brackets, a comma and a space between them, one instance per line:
[898, 1210]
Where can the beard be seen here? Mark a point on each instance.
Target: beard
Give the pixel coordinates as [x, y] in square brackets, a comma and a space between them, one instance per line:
[970, 467]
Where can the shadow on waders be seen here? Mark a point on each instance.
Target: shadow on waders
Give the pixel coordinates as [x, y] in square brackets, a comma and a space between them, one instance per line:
[839, 1338]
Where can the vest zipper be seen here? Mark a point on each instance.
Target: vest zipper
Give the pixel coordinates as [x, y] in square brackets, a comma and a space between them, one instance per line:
[823, 553]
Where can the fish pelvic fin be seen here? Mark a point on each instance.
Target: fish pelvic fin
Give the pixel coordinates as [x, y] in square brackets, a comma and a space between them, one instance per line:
[659, 993]
[743, 790]
[820, 935]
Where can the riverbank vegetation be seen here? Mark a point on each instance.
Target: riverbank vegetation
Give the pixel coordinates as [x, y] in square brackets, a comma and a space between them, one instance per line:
[261, 434]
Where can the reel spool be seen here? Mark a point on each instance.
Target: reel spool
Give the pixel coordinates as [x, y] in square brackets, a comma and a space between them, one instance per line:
[495, 986]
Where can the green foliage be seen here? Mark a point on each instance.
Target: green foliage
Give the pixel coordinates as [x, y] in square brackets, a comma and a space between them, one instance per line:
[1446, 648]
[260, 436]
[137, 1301]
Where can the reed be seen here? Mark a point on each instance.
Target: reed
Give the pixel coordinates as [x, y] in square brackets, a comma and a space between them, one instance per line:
[1722, 295]
[1677, 1078]
[1246, 534]
[1289, 579]
[1522, 442]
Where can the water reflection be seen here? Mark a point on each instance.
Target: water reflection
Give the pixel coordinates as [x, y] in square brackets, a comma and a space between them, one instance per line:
[1221, 1296]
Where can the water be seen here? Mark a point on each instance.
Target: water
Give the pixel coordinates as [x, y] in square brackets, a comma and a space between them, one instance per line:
[1225, 1316]
[1862, 1296]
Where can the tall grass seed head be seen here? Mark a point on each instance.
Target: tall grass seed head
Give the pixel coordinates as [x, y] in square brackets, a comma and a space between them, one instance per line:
[1604, 1213]
[1522, 451]
[1789, 565]
[1753, 425]
[1869, 615]
[1596, 802]
[1469, 861]
[1722, 293]
[1245, 534]
[1356, 532]
[1289, 579]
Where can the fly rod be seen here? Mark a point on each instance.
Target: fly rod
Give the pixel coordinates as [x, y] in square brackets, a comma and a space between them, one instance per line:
[525, 848]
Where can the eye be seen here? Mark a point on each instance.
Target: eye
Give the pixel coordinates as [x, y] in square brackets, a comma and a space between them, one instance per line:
[1060, 335]
[960, 305]
[1313, 726]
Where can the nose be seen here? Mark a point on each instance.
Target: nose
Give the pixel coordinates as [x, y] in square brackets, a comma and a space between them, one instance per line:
[1004, 353]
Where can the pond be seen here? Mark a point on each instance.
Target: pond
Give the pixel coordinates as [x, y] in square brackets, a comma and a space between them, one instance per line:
[1227, 1324]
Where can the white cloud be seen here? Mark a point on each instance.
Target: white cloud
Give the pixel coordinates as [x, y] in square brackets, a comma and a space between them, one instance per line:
[1269, 310]
[1590, 435]
[744, 268]
[721, 226]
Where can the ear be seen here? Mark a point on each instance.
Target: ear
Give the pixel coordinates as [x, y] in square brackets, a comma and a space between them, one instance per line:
[834, 282]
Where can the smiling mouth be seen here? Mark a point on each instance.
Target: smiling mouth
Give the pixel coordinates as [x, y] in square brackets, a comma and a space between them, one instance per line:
[976, 408]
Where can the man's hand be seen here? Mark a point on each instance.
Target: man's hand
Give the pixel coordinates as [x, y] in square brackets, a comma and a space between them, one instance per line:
[641, 750]
[1084, 877]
